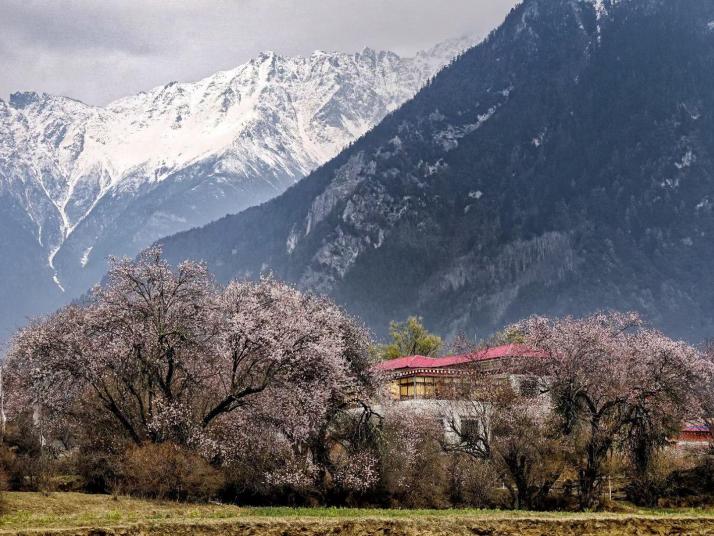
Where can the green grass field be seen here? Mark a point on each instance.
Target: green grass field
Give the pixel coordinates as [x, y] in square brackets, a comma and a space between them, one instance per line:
[75, 513]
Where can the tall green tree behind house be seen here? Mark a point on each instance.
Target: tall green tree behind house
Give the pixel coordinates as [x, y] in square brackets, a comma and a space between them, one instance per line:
[410, 338]
[508, 335]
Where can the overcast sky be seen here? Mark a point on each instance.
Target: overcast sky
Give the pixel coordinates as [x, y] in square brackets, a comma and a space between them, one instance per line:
[99, 50]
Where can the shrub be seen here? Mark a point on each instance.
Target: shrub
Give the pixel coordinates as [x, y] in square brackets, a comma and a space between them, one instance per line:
[101, 471]
[473, 482]
[168, 471]
[690, 486]
[25, 465]
[667, 475]
[413, 472]
[3, 488]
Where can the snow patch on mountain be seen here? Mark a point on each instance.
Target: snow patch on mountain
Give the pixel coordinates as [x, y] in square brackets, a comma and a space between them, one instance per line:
[602, 9]
[85, 256]
[448, 139]
[686, 160]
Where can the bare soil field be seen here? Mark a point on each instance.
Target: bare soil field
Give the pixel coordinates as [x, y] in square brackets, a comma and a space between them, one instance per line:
[84, 515]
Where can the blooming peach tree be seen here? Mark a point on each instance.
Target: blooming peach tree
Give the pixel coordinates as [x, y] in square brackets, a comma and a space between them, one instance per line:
[168, 355]
[613, 382]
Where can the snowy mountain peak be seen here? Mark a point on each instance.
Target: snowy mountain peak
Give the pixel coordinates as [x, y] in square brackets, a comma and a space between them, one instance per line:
[89, 181]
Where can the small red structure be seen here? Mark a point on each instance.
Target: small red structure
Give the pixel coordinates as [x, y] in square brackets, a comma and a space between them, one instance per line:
[695, 434]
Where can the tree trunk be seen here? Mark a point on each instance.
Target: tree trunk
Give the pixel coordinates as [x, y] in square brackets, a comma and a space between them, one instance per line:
[589, 483]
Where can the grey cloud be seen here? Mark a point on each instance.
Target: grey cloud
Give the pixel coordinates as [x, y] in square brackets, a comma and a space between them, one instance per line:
[98, 50]
[72, 28]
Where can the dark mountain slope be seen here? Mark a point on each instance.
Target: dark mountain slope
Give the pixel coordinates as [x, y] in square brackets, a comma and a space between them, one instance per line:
[563, 165]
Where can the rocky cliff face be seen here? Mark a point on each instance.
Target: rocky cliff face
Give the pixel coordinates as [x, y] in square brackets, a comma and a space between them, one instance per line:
[79, 183]
[563, 165]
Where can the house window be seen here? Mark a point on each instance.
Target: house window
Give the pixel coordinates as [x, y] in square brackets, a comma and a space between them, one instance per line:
[453, 388]
[470, 430]
[529, 388]
[417, 387]
[406, 388]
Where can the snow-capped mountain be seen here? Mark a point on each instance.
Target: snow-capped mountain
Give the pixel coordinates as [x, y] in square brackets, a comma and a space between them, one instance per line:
[79, 182]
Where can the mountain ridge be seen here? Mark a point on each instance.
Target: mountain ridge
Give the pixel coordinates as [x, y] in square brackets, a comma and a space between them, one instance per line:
[572, 173]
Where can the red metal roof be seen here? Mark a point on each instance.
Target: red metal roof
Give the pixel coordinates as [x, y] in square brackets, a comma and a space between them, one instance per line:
[422, 362]
[696, 428]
